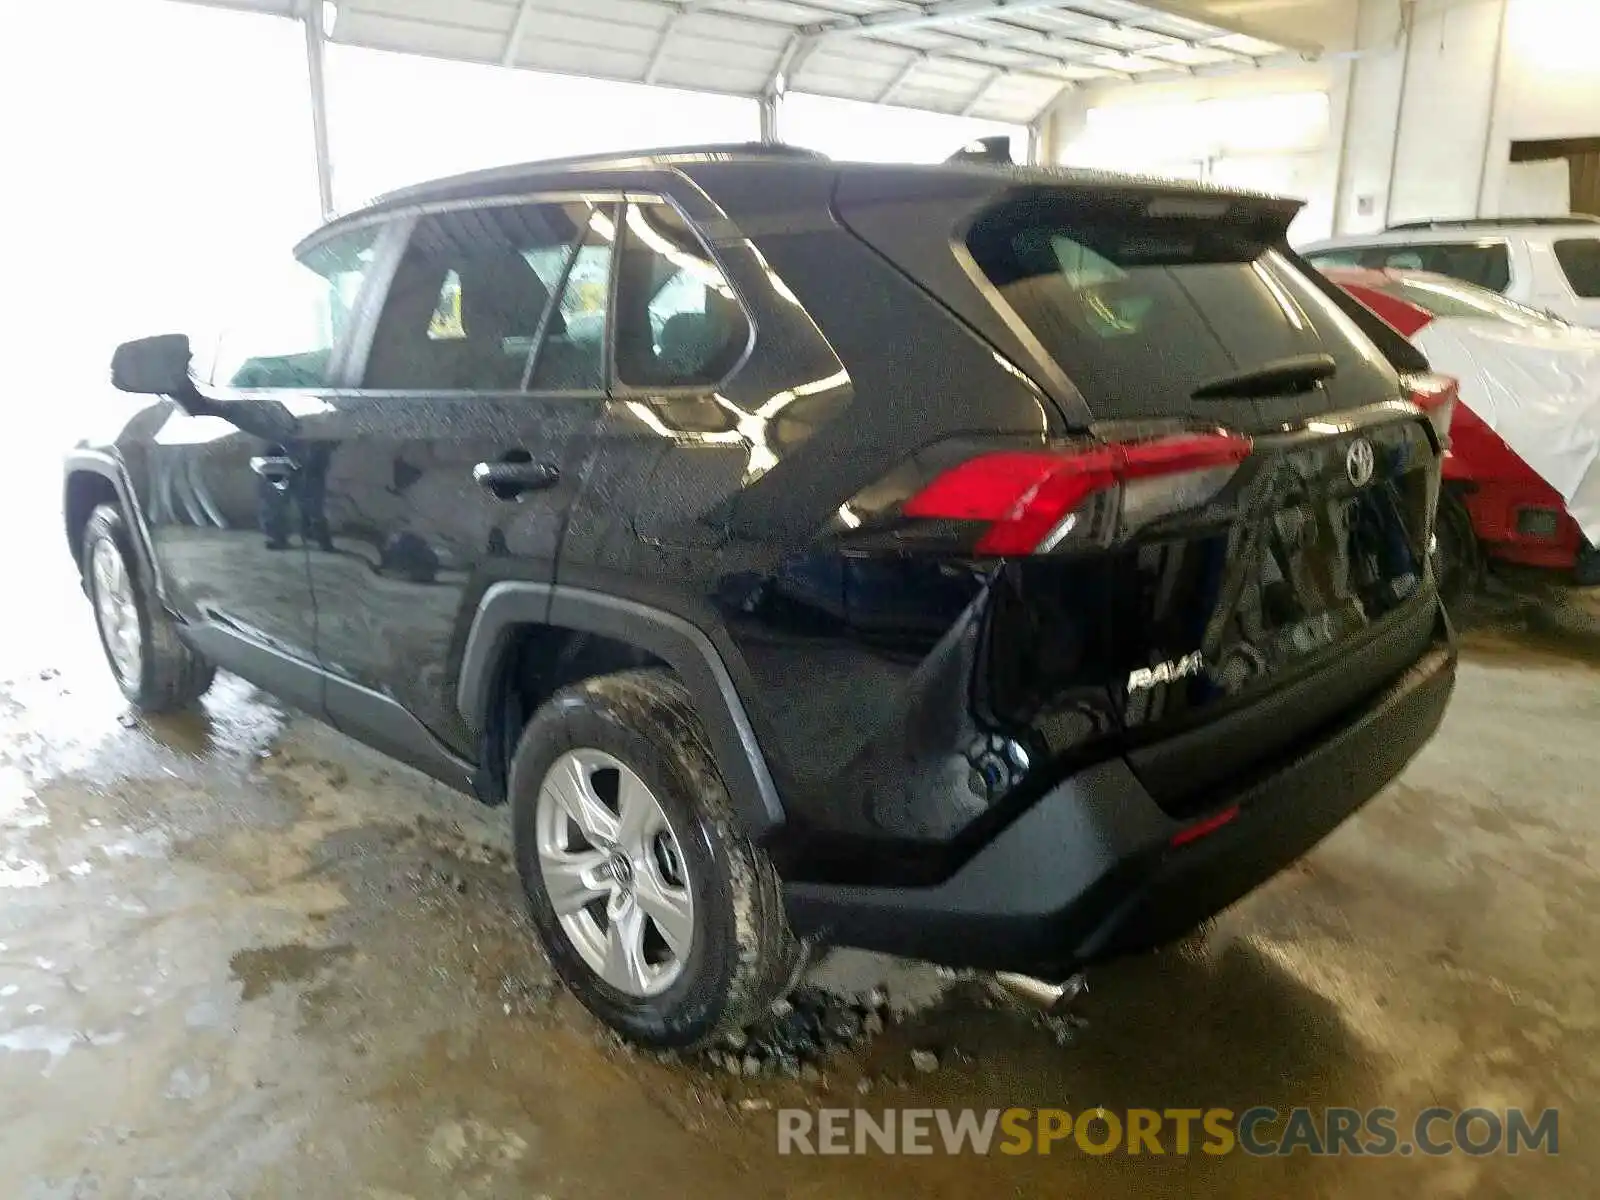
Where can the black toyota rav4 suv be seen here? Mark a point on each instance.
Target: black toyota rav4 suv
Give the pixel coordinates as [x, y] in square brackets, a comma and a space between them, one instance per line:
[1003, 567]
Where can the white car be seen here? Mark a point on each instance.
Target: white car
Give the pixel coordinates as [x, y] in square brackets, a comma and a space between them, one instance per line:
[1548, 263]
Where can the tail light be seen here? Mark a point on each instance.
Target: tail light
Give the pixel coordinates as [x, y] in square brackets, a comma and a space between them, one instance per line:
[1034, 501]
[1436, 395]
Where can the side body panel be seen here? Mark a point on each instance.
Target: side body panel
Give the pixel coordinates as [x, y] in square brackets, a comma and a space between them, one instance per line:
[853, 369]
[229, 545]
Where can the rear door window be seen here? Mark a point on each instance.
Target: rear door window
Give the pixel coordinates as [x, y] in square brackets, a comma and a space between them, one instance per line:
[1141, 311]
[1580, 262]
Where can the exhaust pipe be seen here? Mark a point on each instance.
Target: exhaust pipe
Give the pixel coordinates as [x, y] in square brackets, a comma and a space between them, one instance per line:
[1049, 998]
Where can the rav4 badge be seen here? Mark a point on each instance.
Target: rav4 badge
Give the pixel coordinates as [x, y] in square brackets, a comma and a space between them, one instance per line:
[1147, 677]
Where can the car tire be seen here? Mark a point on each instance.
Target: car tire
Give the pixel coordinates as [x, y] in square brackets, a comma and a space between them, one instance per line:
[601, 741]
[156, 671]
[1457, 560]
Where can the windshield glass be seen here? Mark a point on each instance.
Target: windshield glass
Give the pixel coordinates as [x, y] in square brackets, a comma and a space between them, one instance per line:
[1451, 298]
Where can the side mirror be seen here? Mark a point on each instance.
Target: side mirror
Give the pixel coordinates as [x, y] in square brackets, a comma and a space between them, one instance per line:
[155, 366]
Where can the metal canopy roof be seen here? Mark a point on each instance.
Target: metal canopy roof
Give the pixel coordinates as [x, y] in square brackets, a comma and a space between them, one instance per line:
[1003, 60]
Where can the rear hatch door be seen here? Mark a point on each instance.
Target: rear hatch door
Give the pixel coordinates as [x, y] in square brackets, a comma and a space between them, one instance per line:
[1181, 604]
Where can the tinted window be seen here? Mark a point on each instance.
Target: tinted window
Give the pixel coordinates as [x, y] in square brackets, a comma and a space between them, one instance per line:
[295, 321]
[1580, 261]
[1487, 264]
[572, 355]
[472, 295]
[1142, 311]
[1351, 257]
[678, 323]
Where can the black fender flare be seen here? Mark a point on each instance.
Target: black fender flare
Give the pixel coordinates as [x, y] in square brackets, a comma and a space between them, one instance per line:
[681, 644]
[83, 461]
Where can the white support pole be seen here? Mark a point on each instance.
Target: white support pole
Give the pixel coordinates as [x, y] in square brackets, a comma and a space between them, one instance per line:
[311, 19]
[1493, 114]
[771, 102]
[1408, 21]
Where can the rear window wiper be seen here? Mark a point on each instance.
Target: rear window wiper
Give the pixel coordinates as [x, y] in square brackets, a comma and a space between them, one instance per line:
[1280, 377]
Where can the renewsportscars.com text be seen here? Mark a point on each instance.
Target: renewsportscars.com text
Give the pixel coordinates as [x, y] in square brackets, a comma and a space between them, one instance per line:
[1259, 1131]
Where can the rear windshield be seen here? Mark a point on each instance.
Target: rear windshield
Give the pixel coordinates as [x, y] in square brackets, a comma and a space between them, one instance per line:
[1142, 311]
[1580, 261]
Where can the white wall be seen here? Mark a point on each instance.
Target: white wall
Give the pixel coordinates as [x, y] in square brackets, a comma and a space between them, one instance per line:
[1454, 129]
[1230, 130]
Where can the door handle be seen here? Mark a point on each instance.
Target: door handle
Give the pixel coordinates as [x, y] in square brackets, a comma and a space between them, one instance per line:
[274, 467]
[508, 480]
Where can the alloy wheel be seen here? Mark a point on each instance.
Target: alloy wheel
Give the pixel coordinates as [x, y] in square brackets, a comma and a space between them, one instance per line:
[116, 612]
[613, 870]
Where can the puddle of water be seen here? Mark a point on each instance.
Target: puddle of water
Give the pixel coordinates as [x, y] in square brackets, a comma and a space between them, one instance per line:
[261, 969]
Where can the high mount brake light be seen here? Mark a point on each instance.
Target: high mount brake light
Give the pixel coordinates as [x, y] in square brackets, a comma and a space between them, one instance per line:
[1435, 395]
[1033, 499]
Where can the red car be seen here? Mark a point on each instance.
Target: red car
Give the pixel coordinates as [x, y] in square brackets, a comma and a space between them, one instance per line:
[1522, 484]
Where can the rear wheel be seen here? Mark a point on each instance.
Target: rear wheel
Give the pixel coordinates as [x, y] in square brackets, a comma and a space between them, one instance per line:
[156, 671]
[1457, 562]
[663, 919]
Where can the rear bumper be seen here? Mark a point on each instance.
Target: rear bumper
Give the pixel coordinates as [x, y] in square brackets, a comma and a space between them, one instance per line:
[1090, 872]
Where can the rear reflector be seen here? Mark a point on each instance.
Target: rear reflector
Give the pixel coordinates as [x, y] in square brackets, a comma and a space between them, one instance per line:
[1032, 498]
[1435, 395]
[1192, 833]
[1538, 522]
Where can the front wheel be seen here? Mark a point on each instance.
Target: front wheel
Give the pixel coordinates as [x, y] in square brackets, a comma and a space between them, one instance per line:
[156, 671]
[663, 919]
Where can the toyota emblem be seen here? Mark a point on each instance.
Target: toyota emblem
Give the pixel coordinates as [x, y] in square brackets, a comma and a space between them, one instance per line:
[1359, 461]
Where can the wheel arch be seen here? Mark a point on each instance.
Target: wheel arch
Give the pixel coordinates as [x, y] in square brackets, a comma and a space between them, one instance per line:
[508, 607]
[92, 478]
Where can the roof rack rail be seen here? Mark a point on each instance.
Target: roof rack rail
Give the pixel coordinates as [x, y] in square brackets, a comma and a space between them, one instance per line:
[1494, 222]
[742, 149]
[490, 175]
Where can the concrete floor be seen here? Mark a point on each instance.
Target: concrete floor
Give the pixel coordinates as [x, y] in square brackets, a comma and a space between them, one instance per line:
[241, 956]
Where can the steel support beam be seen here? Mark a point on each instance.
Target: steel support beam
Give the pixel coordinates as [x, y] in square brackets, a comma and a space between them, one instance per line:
[686, 9]
[519, 24]
[1170, 39]
[1193, 10]
[940, 12]
[971, 106]
[311, 20]
[901, 77]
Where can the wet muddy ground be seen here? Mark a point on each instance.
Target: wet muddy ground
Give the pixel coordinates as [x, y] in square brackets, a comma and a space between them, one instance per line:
[241, 956]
